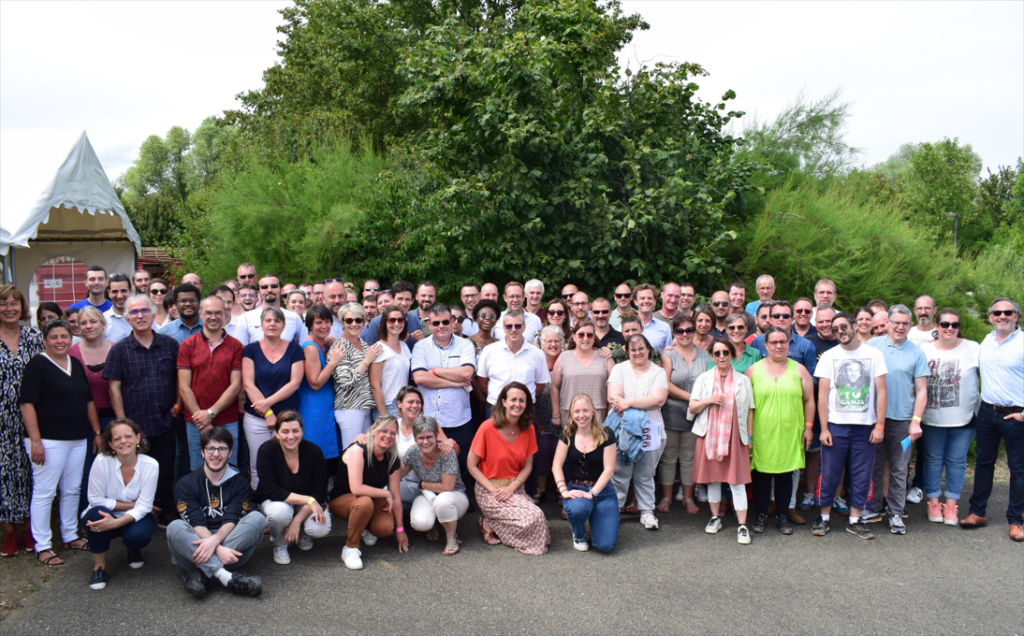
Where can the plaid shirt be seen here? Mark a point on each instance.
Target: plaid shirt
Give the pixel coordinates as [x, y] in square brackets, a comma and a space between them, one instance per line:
[149, 380]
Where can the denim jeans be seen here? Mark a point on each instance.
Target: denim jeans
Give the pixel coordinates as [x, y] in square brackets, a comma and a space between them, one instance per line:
[945, 447]
[991, 428]
[195, 453]
[90, 457]
[135, 535]
[602, 512]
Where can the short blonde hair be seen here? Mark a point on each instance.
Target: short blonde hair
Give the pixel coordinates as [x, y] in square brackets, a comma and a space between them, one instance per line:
[355, 309]
[92, 312]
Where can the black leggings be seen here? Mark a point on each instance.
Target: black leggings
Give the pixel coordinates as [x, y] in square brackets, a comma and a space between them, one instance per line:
[762, 483]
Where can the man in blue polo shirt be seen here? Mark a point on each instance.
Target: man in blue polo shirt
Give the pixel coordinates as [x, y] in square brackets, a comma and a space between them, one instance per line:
[799, 348]
[96, 283]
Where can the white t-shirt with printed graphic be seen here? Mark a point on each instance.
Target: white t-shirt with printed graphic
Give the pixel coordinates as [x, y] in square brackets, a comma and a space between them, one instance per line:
[851, 391]
[953, 389]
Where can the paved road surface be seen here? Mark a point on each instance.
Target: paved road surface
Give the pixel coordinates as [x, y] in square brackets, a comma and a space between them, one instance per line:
[934, 580]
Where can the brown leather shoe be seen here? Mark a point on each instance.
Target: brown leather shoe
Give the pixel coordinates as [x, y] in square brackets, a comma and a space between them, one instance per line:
[795, 518]
[973, 521]
[1016, 532]
[771, 509]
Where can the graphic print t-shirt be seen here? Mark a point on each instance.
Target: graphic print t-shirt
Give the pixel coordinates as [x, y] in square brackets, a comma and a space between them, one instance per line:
[851, 374]
[953, 391]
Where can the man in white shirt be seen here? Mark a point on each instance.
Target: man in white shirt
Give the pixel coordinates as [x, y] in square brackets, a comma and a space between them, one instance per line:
[534, 296]
[250, 325]
[658, 334]
[514, 297]
[117, 328]
[226, 294]
[924, 332]
[511, 359]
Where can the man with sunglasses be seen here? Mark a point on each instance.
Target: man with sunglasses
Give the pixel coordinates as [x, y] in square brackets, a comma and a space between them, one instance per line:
[763, 320]
[799, 348]
[568, 291]
[720, 307]
[403, 295]
[601, 310]
[470, 295]
[119, 289]
[512, 359]
[1000, 415]
[371, 286]
[822, 340]
[803, 311]
[765, 286]
[250, 325]
[514, 297]
[623, 304]
[658, 334]
[246, 274]
[443, 367]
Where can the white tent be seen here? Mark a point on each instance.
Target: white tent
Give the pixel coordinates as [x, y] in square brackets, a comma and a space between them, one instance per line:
[56, 200]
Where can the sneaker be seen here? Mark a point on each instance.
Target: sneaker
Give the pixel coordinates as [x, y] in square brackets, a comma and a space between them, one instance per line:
[369, 538]
[785, 527]
[305, 542]
[135, 560]
[896, 525]
[759, 522]
[743, 535]
[164, 519]
[820, 527]
[245, 585]
[679, 494]
[860, 530]
[98, 580]
[915, 495]
[871, 517]
[934, 511]
[839, 505]
[195, 583]
[808, 502]
[648, 520]
[889, 512]
[700, 493]
[350, 557]
[950, 513]
[582, 546]
[281, 556]
[714, 525]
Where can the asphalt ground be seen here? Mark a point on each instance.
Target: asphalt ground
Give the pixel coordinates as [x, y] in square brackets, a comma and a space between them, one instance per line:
[935, 580]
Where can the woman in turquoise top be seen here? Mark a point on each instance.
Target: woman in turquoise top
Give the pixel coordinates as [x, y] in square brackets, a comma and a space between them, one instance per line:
[736, 329]
[316, 393]
[784, 395]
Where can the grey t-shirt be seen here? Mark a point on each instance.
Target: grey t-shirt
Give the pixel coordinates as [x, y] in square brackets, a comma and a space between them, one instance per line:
[445, 465]
[683, 376]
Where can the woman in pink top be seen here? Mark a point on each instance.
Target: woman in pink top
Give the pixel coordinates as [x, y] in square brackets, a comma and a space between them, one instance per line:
[92, 353]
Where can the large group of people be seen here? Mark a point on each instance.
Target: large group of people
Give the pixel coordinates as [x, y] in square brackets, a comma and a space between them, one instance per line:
[269, 408]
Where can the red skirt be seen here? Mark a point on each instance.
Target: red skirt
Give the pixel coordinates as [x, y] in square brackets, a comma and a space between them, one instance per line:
[734, 467]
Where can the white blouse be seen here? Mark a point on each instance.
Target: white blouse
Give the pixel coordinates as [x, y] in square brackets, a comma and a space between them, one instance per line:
[107, 487]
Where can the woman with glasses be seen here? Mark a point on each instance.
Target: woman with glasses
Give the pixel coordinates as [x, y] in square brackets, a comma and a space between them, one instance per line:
[782, 426]
[703, 323]
[389, 372]
[272, 370]
[158, 292]
[440, 494]
[316, 393]
[722, 403]
[683, 364]
[557, 315]
[948, 420]
[485, 314]
[353, 397]
[583, 468]
[736, 329]
[640, 384]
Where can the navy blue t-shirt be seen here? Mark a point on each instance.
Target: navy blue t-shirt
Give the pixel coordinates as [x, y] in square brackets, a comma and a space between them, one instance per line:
[271, 377]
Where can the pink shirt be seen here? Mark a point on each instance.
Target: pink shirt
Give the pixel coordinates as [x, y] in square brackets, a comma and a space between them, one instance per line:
[97, 385]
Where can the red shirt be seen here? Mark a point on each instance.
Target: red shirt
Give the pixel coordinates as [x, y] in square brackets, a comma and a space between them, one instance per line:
[211, 371]
[498, 458]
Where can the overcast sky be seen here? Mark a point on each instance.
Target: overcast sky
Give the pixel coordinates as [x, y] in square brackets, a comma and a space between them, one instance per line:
[914, 71]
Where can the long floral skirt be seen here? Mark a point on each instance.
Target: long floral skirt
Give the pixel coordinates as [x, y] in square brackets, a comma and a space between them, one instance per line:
[517, 521]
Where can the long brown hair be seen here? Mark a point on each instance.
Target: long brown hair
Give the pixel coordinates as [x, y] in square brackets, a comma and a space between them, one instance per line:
[566, 332]
[581, 323]
[498, 410]
[600, 433]
[106, 438]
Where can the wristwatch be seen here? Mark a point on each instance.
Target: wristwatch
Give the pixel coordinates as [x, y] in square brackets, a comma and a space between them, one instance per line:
[211, 413]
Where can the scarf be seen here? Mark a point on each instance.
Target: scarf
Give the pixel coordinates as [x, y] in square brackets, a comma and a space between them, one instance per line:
[720, 418]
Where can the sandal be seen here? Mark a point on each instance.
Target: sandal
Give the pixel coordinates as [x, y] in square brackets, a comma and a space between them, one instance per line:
[631, 508]
[53, 559]
[490, 537]
[432, 534]
[539, 497]
[77, 544]
[663, 505]
[691, 506]
[453, 546]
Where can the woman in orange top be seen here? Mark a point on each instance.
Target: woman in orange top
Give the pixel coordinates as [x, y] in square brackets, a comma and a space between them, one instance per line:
[500, 460]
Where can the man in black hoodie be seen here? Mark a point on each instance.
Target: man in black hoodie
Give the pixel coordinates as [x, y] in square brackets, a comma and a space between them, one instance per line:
[217, 529]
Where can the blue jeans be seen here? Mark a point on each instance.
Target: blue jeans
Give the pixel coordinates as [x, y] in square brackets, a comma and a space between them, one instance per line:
[602, 512]
[135, 535]
[90, 457]
[945, 447]
[195, 453]
[991, 428]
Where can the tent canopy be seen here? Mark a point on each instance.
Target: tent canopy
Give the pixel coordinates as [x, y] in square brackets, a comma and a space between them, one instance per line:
[53, 188]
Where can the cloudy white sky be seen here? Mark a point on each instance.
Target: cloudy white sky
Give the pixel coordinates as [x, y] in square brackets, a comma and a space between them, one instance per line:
[914, 71]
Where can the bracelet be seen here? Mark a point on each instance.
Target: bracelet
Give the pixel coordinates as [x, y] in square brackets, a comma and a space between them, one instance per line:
[310, 501]
[434, 371]
[268, 413]
[879, 427]
[808, 424]
[399, 529]
[98, 432]
[916, 418]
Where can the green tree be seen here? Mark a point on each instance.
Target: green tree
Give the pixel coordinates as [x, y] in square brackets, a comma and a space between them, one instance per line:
[941, 179]
[895, 168]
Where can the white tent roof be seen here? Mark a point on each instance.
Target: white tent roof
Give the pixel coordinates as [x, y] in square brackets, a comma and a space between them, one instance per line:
[56, 172]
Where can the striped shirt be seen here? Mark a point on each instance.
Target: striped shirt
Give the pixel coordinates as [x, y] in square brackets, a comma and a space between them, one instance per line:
[351, 390]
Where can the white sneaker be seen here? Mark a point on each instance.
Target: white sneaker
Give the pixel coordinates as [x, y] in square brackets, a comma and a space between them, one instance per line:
[369, 538]
[679, 494]
[700, 493]
[281, 555]
[648, 520]
[743, 535]
[714, 525]
[915, 495]
[305, 542]
[582, 546]
[350, 557]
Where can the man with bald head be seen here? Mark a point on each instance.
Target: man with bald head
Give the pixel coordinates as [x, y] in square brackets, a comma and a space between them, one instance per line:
[623, 302]
[246, 274]
[880, 324]
[568, 291]
[580, 306]
[670, 296]
[765, 286]
[924, 332]
[720, 307]
[489, 292]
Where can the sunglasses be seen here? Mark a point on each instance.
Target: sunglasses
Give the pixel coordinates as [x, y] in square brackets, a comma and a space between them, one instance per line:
[353, 321]
[736, 328]
[1002, 312]
[841, 328]
[720, 354]
[271, 286]
[782, 316]
[484, 316]
[684, 331]
[623, 295]
[804, 311]
[515, 327]
[247, 276]
[367, 290]
[950, 325]
[585, 335]
[396, 320]
[720, 303]
[333, 280]
[567, 296]
[556, 312]
[600, 312]
[157, 291]
[438, 323]
[459, 319]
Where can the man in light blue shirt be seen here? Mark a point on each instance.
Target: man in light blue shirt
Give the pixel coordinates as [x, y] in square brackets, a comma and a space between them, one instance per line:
[999, 417]
[765, 286]
[658, 334]
[906, 389]
[186, 299]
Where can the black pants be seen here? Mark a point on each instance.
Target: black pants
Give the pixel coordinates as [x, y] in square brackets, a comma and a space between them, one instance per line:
[162, 448]
[762, 483]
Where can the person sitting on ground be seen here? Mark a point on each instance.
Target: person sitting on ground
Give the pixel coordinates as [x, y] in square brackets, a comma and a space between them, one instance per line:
[122, 484]
[293, 488]
[442, 495]
[367, 492]
[218, 531]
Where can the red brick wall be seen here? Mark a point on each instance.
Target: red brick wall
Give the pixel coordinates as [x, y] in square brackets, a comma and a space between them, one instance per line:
[70, 272]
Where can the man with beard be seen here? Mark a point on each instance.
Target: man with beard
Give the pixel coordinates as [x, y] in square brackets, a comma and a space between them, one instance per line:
[720, 307]
[140, 281]
[248, 298]
[318, 292]
[186, 299]
[822, 340]
[601, 310]
[426, 294]
[924, 332]
[251, 328]
[623, 300]
[670, 296]
[470, 295]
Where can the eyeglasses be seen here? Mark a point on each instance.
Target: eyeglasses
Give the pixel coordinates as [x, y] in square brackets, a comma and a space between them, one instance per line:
[396, 320]
[246, 276]
[623, 295]
[515, 327]
[438, 323]
[841, 328]
[271, 286]
[135, 313]
[217, 450]
[486, 316]
[600, 312]
[1002, 312]
[720, 354]
[157, 290]
[585, 336]
[248, 296]
[685, 331]
[804, 311]
[782, 316]
[778, 343]
[736, 328]
[643, 351]
[950, 325]
[212, 314]
[720, 303]
[353, 321]
[556, 312]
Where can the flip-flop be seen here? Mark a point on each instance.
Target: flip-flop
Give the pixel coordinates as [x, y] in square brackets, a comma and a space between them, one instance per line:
[631, 508]
[53, 559]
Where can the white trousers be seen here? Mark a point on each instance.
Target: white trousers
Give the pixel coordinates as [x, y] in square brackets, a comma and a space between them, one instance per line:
[279, 514]
[739, 494]
[352, 423]
[256, 433]
[447, 506]
[62, 468]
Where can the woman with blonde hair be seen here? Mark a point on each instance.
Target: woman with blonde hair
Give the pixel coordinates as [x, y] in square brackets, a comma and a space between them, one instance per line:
[353, 397]
[92, 352]
[588, 455]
